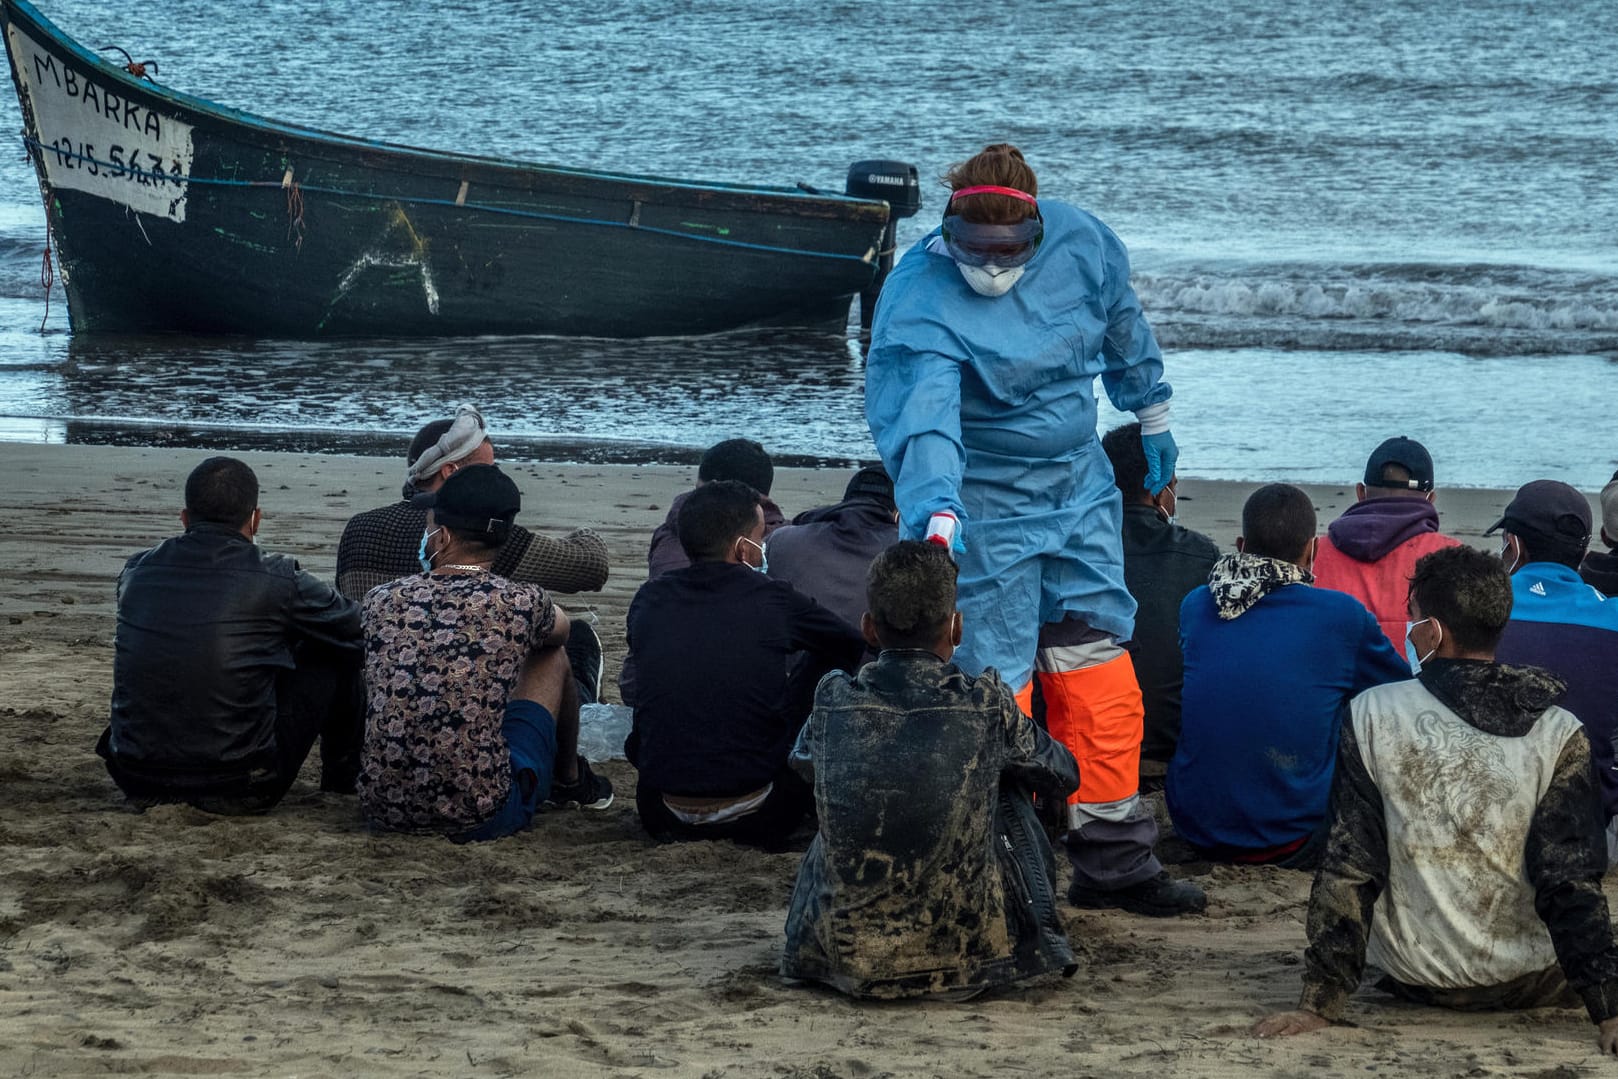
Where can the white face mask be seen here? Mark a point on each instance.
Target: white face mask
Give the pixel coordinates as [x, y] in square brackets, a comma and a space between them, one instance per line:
[990, 280]
[1505, 549]
[763, 556]
[1168, 512]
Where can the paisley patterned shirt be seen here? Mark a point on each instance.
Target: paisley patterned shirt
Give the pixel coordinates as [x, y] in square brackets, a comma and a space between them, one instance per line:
[442, 653]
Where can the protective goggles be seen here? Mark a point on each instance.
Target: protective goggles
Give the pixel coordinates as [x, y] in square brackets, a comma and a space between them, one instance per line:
[973, 244]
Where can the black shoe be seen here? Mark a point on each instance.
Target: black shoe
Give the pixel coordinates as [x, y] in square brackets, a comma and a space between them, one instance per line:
[589, 791]
[584, 656]
[1156, 897]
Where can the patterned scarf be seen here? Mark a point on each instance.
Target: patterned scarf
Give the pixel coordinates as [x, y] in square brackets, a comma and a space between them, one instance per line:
[1238, 581]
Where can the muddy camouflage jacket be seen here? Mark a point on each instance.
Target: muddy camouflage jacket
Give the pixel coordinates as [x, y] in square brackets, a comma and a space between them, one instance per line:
[1432, 782]
[930, 872]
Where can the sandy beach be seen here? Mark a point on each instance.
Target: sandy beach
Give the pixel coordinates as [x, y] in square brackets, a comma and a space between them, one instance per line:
[172, 942]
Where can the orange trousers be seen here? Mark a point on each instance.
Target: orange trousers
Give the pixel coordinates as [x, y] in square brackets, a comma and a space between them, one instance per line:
[1096, 712]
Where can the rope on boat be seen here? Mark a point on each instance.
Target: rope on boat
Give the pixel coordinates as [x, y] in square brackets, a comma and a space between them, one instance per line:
[294, 209]
[209, 181]
[47, 278]
[141, 69]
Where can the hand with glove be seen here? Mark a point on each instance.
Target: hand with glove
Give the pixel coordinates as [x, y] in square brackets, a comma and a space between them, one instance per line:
[1161, 452]
[1161, 456]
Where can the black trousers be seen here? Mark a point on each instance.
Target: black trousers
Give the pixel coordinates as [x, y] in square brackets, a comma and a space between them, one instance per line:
[322, 697]
[769, 826]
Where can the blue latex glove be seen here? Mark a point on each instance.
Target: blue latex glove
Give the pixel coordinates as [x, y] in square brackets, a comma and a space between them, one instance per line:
[1161, 457]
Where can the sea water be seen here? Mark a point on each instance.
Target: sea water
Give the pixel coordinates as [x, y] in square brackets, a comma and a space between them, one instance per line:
[1347, 220]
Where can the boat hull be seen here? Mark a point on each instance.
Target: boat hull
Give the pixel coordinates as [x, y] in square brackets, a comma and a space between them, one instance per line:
[171, 213]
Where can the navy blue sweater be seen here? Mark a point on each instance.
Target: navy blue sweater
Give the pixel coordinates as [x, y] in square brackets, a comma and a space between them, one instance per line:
[1259, 719]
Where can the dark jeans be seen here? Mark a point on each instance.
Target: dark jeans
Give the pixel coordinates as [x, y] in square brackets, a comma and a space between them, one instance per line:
[1544, 989]
[770, 825]
[1306, 857]
[324, 697]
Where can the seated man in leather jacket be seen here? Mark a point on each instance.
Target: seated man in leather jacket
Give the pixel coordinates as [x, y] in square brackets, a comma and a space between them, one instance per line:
[931, 873]
[229, 662]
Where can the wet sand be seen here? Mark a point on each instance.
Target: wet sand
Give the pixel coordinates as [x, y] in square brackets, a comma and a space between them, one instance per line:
[172, 942]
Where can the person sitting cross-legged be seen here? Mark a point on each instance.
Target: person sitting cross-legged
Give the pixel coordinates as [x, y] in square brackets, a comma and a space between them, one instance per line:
[383, 544]
[738, 459]
[1369, 551]
[229, 662]
[1561, 623]
[930, 873]
[1270, 664]
[715, 710]
[473, 712]
[1163, 562]
[1467, 844]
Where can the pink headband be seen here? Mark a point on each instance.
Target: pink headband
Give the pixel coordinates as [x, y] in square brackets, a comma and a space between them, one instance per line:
[990, 189]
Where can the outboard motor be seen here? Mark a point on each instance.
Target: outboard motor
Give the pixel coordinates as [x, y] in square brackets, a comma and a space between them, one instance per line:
[895, 182]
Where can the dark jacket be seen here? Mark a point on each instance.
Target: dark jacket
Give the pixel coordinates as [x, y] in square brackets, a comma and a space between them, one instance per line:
[1561, 864]
[1560, 623]
[206, 621]
[1600, 572]
[930, 872]
[382, 545]
[714, 710]
[666, 553]
[825, 553]
[1163, 562]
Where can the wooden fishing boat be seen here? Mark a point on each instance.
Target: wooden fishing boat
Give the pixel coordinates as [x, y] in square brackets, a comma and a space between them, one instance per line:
[169, 212]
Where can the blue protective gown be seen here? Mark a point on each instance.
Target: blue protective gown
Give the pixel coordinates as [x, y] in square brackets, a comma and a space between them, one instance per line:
[985, 407]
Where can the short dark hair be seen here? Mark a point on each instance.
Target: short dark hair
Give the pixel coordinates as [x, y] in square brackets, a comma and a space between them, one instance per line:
[1468, 591]
[910, 593]
[480, 542]
[739, 459]
[1537, 547]
[221, 490]
[1278, 521]
[425, 438]
[1128, 456]
[712, 516]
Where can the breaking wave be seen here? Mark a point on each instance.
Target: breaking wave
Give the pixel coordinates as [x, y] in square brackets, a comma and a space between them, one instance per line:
[1476, 310]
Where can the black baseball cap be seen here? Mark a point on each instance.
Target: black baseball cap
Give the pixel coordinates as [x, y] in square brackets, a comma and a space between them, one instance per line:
[1547, 509]
[477, 498]
[1409, 454]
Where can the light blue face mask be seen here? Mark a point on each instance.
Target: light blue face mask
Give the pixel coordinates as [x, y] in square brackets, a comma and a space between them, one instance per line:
[422, 556]
[1414, 660]
[763, 556]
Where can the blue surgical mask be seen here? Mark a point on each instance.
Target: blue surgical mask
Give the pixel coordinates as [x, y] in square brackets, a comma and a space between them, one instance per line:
[422, 556]
[1414, 660]
[763, 556]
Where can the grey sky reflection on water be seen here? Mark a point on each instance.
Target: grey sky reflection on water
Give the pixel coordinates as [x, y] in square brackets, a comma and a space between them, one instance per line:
[801, 393]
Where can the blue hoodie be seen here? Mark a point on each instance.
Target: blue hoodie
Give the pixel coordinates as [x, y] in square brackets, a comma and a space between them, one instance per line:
[1560, 623]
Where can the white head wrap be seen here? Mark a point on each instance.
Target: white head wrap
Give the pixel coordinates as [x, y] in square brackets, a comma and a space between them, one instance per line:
[466, 433]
